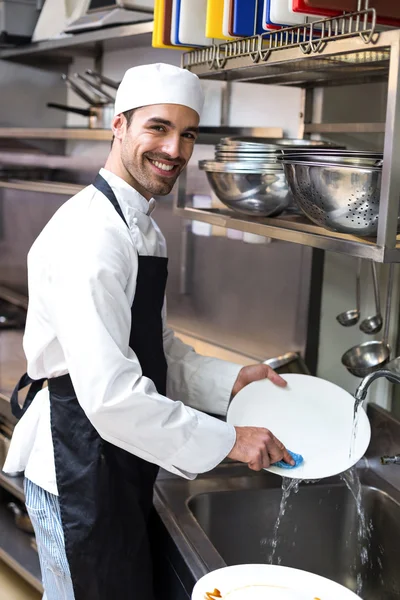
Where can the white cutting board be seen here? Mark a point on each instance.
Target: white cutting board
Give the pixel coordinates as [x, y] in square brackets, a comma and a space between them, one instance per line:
[192, 23]
[173, 22]
[55, 17]
[225, 23]
[281, 13]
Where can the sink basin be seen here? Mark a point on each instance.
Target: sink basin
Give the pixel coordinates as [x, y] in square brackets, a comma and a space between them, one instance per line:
[318, 532]
[227, 517]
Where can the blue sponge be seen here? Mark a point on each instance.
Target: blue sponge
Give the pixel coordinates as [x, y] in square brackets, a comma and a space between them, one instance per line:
[298, 459]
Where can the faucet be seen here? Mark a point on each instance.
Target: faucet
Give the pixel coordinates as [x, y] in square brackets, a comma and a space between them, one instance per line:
[390, 460]
[361, 394]
[362, 389]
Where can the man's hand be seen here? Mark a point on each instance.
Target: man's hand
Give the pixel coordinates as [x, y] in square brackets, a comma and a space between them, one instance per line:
[255, 373]
[259, 448]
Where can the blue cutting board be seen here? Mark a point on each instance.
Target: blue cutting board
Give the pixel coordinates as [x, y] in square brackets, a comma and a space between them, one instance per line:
[247, 17]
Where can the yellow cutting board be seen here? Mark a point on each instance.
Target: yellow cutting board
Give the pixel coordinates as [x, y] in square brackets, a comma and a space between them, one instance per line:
[215, 18]
[158, 27]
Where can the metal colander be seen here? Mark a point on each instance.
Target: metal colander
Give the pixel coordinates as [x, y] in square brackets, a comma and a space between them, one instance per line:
[342, 198]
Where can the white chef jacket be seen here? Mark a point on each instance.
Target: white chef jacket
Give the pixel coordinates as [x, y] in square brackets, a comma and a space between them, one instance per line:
[82, 272]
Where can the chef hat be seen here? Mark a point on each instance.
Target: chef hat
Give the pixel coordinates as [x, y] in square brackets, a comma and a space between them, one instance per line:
[158, 84]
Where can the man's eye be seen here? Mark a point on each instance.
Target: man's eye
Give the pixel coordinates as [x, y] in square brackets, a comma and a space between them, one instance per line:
[158, 128]
[189, 136]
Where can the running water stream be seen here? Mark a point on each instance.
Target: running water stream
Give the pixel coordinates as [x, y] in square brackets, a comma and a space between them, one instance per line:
[288, 486]
[356, 415]
[364, 528]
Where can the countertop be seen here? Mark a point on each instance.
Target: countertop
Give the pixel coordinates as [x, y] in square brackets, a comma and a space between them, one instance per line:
[12, 365]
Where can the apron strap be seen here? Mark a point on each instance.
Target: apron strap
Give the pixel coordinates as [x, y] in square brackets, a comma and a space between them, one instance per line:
[103, 186]
[35, 386]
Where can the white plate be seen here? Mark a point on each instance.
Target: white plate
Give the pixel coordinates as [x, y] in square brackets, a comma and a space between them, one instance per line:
[269, 582]
[311, 416]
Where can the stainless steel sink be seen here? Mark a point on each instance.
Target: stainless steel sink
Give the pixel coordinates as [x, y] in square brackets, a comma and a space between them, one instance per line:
[228, 516]
[318, 532]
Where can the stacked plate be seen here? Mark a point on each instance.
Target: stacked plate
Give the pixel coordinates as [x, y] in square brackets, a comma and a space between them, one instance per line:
[265, 150]
[248, 176]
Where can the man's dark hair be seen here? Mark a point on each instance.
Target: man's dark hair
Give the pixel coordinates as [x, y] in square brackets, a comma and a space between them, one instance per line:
[128, 114]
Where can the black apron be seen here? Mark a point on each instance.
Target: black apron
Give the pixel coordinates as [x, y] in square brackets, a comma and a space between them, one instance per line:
[106, 493]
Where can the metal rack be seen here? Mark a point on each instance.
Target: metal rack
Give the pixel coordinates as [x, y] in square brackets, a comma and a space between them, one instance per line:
[348, 49]
[207, 135]
[16, 548]
[53, 53]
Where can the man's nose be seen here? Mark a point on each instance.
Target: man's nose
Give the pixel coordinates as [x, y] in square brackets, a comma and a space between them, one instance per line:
[171, 146]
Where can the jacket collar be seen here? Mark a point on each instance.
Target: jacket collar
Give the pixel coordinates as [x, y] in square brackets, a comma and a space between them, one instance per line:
[129, 199]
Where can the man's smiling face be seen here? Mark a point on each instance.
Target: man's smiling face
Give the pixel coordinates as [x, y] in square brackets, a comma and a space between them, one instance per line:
[157, 146]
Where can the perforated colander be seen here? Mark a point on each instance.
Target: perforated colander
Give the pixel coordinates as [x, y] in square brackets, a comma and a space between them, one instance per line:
[343, 198]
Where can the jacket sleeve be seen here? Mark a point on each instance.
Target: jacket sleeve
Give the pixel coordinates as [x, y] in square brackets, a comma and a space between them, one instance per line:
[91, 316]
[201, 382]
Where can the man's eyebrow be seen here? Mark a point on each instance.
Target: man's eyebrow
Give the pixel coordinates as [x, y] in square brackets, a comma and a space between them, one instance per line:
[193, 129]
[160, 121]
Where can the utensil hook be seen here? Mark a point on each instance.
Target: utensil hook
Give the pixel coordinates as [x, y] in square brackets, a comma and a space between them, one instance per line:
[376, 288]
[388, 303]
[358, 285]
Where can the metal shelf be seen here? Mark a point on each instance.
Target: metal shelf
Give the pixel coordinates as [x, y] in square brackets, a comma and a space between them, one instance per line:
[344, 128]
[207, 135]
[53, 133]
[295, 229]
[47, 187]
[16, 550]
[62, 50]
[14, 485]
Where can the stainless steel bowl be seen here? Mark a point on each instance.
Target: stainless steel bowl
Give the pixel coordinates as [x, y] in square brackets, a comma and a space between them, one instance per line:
[259, 191]
[238, 141]
[341, 198]
[238, 157]
[372, 160]
[365, 358]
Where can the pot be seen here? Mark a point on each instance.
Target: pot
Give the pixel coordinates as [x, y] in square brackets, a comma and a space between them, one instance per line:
[100, 117]
[21, 518]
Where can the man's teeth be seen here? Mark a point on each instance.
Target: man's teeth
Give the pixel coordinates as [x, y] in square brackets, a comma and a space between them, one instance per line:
[162, 166]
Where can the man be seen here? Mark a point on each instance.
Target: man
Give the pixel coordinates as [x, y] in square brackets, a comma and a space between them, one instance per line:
[91, 442]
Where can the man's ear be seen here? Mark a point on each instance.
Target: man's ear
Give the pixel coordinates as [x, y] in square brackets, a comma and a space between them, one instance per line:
[118, 126]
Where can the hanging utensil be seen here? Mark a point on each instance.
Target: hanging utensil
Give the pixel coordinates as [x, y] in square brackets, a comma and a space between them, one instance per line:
[97, 89]
[373, 324]
[352, 316]
[371, 356]
[100, 117]
[81, 93]
[102, 79]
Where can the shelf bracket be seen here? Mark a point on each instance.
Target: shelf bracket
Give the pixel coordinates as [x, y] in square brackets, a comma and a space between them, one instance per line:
[390, 186]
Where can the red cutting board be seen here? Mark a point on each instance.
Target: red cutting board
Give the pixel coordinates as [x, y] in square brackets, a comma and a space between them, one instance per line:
[166, 33]
[388, 11]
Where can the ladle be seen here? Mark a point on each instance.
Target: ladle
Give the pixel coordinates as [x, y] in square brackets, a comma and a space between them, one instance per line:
[363, 359]
[352, 316]
[373, 324]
